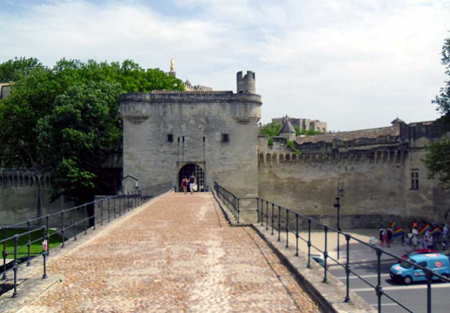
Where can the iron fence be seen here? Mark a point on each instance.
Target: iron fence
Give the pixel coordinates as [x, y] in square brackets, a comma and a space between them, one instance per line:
[72, 222]
[276, 218]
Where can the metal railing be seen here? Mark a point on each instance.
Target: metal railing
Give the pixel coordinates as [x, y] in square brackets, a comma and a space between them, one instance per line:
[230, 200]
[276, 218]
[72, 221]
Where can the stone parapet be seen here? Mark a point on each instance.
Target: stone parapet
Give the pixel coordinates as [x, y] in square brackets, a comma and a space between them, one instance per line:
[189, 97]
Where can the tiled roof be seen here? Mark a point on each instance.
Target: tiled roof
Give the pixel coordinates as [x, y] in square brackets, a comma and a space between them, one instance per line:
[352, 135]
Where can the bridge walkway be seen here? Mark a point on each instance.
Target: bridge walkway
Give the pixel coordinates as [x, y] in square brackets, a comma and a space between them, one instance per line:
[174, 254]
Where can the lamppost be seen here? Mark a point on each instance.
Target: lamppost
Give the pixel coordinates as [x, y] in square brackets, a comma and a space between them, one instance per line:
[337, 205]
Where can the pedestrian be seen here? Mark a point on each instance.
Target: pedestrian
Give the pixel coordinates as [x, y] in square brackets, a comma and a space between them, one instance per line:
[389, 237]
[430, 242]
[414, 242]
[421, 242]
[192, 182]
[184, 184]
[445, 231]
[383, 237]
[409, 241]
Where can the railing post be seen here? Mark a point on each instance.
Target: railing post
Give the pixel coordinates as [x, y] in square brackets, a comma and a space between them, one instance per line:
[16, 238]
[296, 234]
[109, 211]
[4, 254]
[238, 209]
[62, 230]
[262, 216]
[347, 269]
[75, 223]
[287, 228]
[47, 229]
[101, 212]
[29, 243]
[379, 288]
[257, 209]
[93, 217]
[325, 255]
[44, 256]
[279, 223]
[429, 276]
[85, 219]
[272, 218]
[309, 243]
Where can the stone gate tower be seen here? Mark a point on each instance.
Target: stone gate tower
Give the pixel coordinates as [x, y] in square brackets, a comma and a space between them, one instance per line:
[214, 134]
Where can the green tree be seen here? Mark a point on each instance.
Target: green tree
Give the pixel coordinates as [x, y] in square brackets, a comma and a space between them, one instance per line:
[29, 117]
[85, 127]
[309, 132]
[13, 70]
[437, 159]
[270, 130]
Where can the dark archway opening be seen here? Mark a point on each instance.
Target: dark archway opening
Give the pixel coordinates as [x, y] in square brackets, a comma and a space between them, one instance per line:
[187, 170]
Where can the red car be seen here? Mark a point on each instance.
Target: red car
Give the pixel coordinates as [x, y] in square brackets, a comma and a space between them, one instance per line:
[418, 251]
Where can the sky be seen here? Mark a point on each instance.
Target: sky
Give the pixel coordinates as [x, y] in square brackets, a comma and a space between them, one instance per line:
[354, 64]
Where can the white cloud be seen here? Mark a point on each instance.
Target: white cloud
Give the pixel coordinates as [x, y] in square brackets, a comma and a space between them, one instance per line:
[354, 64]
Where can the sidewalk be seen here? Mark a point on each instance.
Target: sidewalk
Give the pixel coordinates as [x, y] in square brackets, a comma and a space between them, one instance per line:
[176, 254]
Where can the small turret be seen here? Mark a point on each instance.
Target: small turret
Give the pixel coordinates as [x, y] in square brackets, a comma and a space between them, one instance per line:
[246, 84]
[288, 131]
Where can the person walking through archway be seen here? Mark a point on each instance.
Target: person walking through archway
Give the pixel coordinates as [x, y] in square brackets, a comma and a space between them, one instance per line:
[192, 183]
[184, 184]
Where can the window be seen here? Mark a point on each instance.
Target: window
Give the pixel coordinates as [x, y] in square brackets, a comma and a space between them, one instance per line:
[414, 180]
[226, 138]
[170, 138]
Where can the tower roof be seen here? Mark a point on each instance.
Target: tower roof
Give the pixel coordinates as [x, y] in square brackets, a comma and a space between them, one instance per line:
[287, 128]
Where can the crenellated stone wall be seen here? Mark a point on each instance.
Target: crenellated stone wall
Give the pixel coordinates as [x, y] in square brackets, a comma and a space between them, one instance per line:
[25, 194]
[375, 165]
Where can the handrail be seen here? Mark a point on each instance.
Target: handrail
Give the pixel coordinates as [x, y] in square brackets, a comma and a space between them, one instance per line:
[108, 205]
[280, 215]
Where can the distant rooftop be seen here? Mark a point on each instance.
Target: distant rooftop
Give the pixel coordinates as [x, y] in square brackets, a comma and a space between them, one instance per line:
[393, 131]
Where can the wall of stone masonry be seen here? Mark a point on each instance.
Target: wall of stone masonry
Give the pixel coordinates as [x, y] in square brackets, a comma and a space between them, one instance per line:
[376, 174]
[200, 118]
[19, 194]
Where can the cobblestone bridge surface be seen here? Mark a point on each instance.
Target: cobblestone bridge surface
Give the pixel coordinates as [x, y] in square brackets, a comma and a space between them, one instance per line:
[177, 254]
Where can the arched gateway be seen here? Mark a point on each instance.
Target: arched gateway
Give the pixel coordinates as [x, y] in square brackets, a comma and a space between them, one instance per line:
[187, 170]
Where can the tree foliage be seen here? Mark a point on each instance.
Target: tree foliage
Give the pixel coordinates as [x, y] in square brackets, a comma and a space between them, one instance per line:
[67, 117]
[437, 159]
[273, 129]
[13, 70]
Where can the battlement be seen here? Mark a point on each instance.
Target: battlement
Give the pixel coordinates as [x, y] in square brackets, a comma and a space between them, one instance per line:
[189, 97]
[395, 156]
[23, 178]
[246, 84]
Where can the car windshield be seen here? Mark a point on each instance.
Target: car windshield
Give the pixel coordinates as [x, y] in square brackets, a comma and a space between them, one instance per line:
[407, 265]
[414, 253]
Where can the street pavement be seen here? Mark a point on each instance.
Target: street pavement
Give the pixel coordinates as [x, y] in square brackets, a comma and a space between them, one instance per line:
[175, 254]
[363, 261]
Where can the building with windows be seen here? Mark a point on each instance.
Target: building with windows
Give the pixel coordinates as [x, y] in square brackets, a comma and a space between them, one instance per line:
[214, 134]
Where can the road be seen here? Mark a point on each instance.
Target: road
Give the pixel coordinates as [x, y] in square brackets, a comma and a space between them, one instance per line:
[414, 297]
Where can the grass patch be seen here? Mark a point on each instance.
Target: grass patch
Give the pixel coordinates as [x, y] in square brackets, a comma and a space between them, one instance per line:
[35, 248]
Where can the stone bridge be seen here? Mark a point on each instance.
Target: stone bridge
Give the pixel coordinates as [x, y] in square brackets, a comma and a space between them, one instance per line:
[176, 253]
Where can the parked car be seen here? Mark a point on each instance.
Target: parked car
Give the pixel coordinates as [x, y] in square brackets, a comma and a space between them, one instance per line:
[407, 273]
[415, 252]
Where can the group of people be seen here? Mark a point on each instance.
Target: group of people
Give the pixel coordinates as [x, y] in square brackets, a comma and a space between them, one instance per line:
[386, 237]
[425, 237]
[190, 182]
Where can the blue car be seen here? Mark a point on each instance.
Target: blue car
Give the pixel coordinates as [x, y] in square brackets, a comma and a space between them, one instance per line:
[406, 273]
